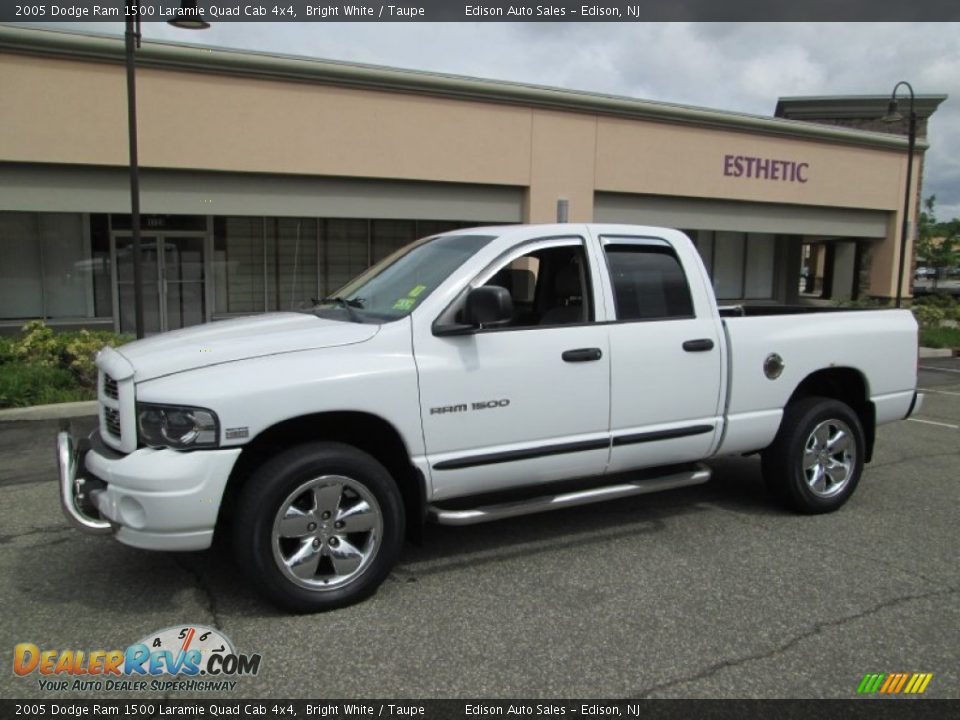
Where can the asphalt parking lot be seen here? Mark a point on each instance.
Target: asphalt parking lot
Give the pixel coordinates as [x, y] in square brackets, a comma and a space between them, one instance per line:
[709, 591]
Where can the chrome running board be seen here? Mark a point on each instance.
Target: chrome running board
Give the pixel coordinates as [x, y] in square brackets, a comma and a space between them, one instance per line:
[488, 513]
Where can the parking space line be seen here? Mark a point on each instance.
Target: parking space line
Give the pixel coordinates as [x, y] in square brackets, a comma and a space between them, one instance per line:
[938, 369]
[931, 422]
[939, 392]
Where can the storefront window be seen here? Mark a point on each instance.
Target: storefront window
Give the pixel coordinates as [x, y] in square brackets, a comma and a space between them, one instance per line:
[266, 264]
[239, 259]
[728, 265]
[47, 268]
[758, 282]
[291, 264]
[346, 252]
[741, 265]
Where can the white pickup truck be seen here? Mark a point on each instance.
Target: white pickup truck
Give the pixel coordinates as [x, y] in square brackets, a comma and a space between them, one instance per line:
[472, 376]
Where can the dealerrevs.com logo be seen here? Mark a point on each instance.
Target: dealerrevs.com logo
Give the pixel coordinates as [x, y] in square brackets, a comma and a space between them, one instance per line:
[179, 658]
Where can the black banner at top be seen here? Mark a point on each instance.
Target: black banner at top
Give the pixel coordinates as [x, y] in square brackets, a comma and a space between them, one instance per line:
[480, 11]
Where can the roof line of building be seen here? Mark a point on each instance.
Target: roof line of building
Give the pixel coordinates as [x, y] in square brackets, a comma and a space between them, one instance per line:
[858, 106]
[53, 43]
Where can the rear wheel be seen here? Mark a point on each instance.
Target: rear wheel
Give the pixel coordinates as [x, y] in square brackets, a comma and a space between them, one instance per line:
[815, 462]
[319, 526]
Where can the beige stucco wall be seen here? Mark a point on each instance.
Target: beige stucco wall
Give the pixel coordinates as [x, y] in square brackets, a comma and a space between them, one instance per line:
[189, 120]
[68, 111]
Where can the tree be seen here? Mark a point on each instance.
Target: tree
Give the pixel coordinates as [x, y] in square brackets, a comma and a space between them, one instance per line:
[937, 242]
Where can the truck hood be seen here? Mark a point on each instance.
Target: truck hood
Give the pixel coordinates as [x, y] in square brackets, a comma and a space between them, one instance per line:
[231, 340]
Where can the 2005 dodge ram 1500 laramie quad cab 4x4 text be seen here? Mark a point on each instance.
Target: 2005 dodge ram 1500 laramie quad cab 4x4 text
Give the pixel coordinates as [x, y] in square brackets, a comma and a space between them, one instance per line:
[472, 376]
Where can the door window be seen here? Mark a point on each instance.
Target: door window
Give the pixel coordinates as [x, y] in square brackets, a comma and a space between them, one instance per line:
[648, 283]
[548, 286]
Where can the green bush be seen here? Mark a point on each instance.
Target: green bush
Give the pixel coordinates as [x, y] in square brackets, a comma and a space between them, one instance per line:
[939, 299]
[6, 348]
[40, 346]
[24, 385]
[864, 302]
[929, 316]
[41, 366]
[940, 337]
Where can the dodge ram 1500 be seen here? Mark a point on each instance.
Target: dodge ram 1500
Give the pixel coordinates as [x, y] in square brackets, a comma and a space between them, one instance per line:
[472, 376]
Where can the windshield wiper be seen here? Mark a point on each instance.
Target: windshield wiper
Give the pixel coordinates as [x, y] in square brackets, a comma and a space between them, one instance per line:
[347, 305]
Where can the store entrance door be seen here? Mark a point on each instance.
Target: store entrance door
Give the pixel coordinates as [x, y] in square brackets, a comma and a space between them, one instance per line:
[173, 281]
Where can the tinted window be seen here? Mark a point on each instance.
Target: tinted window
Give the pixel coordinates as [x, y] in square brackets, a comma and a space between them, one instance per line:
[648, 283]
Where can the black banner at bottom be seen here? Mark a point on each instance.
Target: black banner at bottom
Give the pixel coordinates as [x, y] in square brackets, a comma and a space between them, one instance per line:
[872, 709]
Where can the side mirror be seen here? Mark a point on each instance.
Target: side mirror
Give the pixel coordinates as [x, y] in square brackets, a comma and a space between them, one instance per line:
[488, 306]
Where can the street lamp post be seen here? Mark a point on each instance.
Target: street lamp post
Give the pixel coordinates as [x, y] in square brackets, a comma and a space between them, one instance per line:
[893, 115]
[189, 18]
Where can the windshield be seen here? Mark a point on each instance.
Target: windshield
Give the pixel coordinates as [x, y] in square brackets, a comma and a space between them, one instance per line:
[392, 288]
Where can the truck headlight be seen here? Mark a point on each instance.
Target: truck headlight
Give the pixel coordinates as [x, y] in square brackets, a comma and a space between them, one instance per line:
[178, 427]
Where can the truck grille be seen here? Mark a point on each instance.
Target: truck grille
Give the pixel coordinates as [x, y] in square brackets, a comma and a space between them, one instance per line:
[115, 393]
[110, 387]
[111, 419]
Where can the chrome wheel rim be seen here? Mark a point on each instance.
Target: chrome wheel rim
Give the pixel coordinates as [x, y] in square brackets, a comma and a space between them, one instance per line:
[327, 532]
[829, 458]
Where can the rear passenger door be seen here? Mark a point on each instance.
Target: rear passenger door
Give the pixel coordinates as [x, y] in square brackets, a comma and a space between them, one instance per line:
[665, 355]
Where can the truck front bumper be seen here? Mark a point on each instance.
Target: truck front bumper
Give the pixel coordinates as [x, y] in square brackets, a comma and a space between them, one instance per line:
[150, 499]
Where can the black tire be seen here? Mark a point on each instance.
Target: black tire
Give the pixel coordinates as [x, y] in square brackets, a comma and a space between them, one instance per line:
[300, 482]
[804, 490]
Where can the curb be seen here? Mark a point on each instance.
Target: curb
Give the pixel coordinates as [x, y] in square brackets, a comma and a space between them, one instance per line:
[56, 411]
[926, 352]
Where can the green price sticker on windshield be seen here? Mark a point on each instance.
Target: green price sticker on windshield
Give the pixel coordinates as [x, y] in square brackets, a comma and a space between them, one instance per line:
[416, 291]
[406, 303]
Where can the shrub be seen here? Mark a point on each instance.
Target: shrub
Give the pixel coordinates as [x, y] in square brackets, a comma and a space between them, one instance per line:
[944, 301]
[24, 385]
[864, 302]
[81, 351]
[41, 366]
[7, 344]
[941, 337]
[929, 316]
[75, 352]
[936, 299]
[38, 345]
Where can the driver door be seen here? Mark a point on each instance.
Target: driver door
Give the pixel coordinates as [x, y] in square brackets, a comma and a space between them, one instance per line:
[528, 402]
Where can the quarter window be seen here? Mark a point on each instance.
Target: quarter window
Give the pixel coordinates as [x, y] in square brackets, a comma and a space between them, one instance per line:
[648, 283]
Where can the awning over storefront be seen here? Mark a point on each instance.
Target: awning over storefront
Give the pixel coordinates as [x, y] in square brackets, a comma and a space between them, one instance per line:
[51, 188]
[754, 217]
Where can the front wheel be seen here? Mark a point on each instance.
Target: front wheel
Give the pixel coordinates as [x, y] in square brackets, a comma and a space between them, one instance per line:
[319, 526]
[815, 462]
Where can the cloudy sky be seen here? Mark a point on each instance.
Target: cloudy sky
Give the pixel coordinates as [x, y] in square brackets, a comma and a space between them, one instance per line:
[733, 66]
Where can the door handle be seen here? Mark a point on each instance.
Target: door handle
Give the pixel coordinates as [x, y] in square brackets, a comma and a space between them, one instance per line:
[701, 345]
[582, 355]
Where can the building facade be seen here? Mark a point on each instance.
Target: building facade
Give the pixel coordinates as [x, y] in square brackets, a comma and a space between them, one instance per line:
[269, 180]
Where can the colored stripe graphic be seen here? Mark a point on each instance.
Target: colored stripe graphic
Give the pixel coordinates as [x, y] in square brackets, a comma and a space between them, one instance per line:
[870, 683]
[894, 683]
[891, 680]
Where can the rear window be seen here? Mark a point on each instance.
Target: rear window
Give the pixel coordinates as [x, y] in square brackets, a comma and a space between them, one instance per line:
[648, 283]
